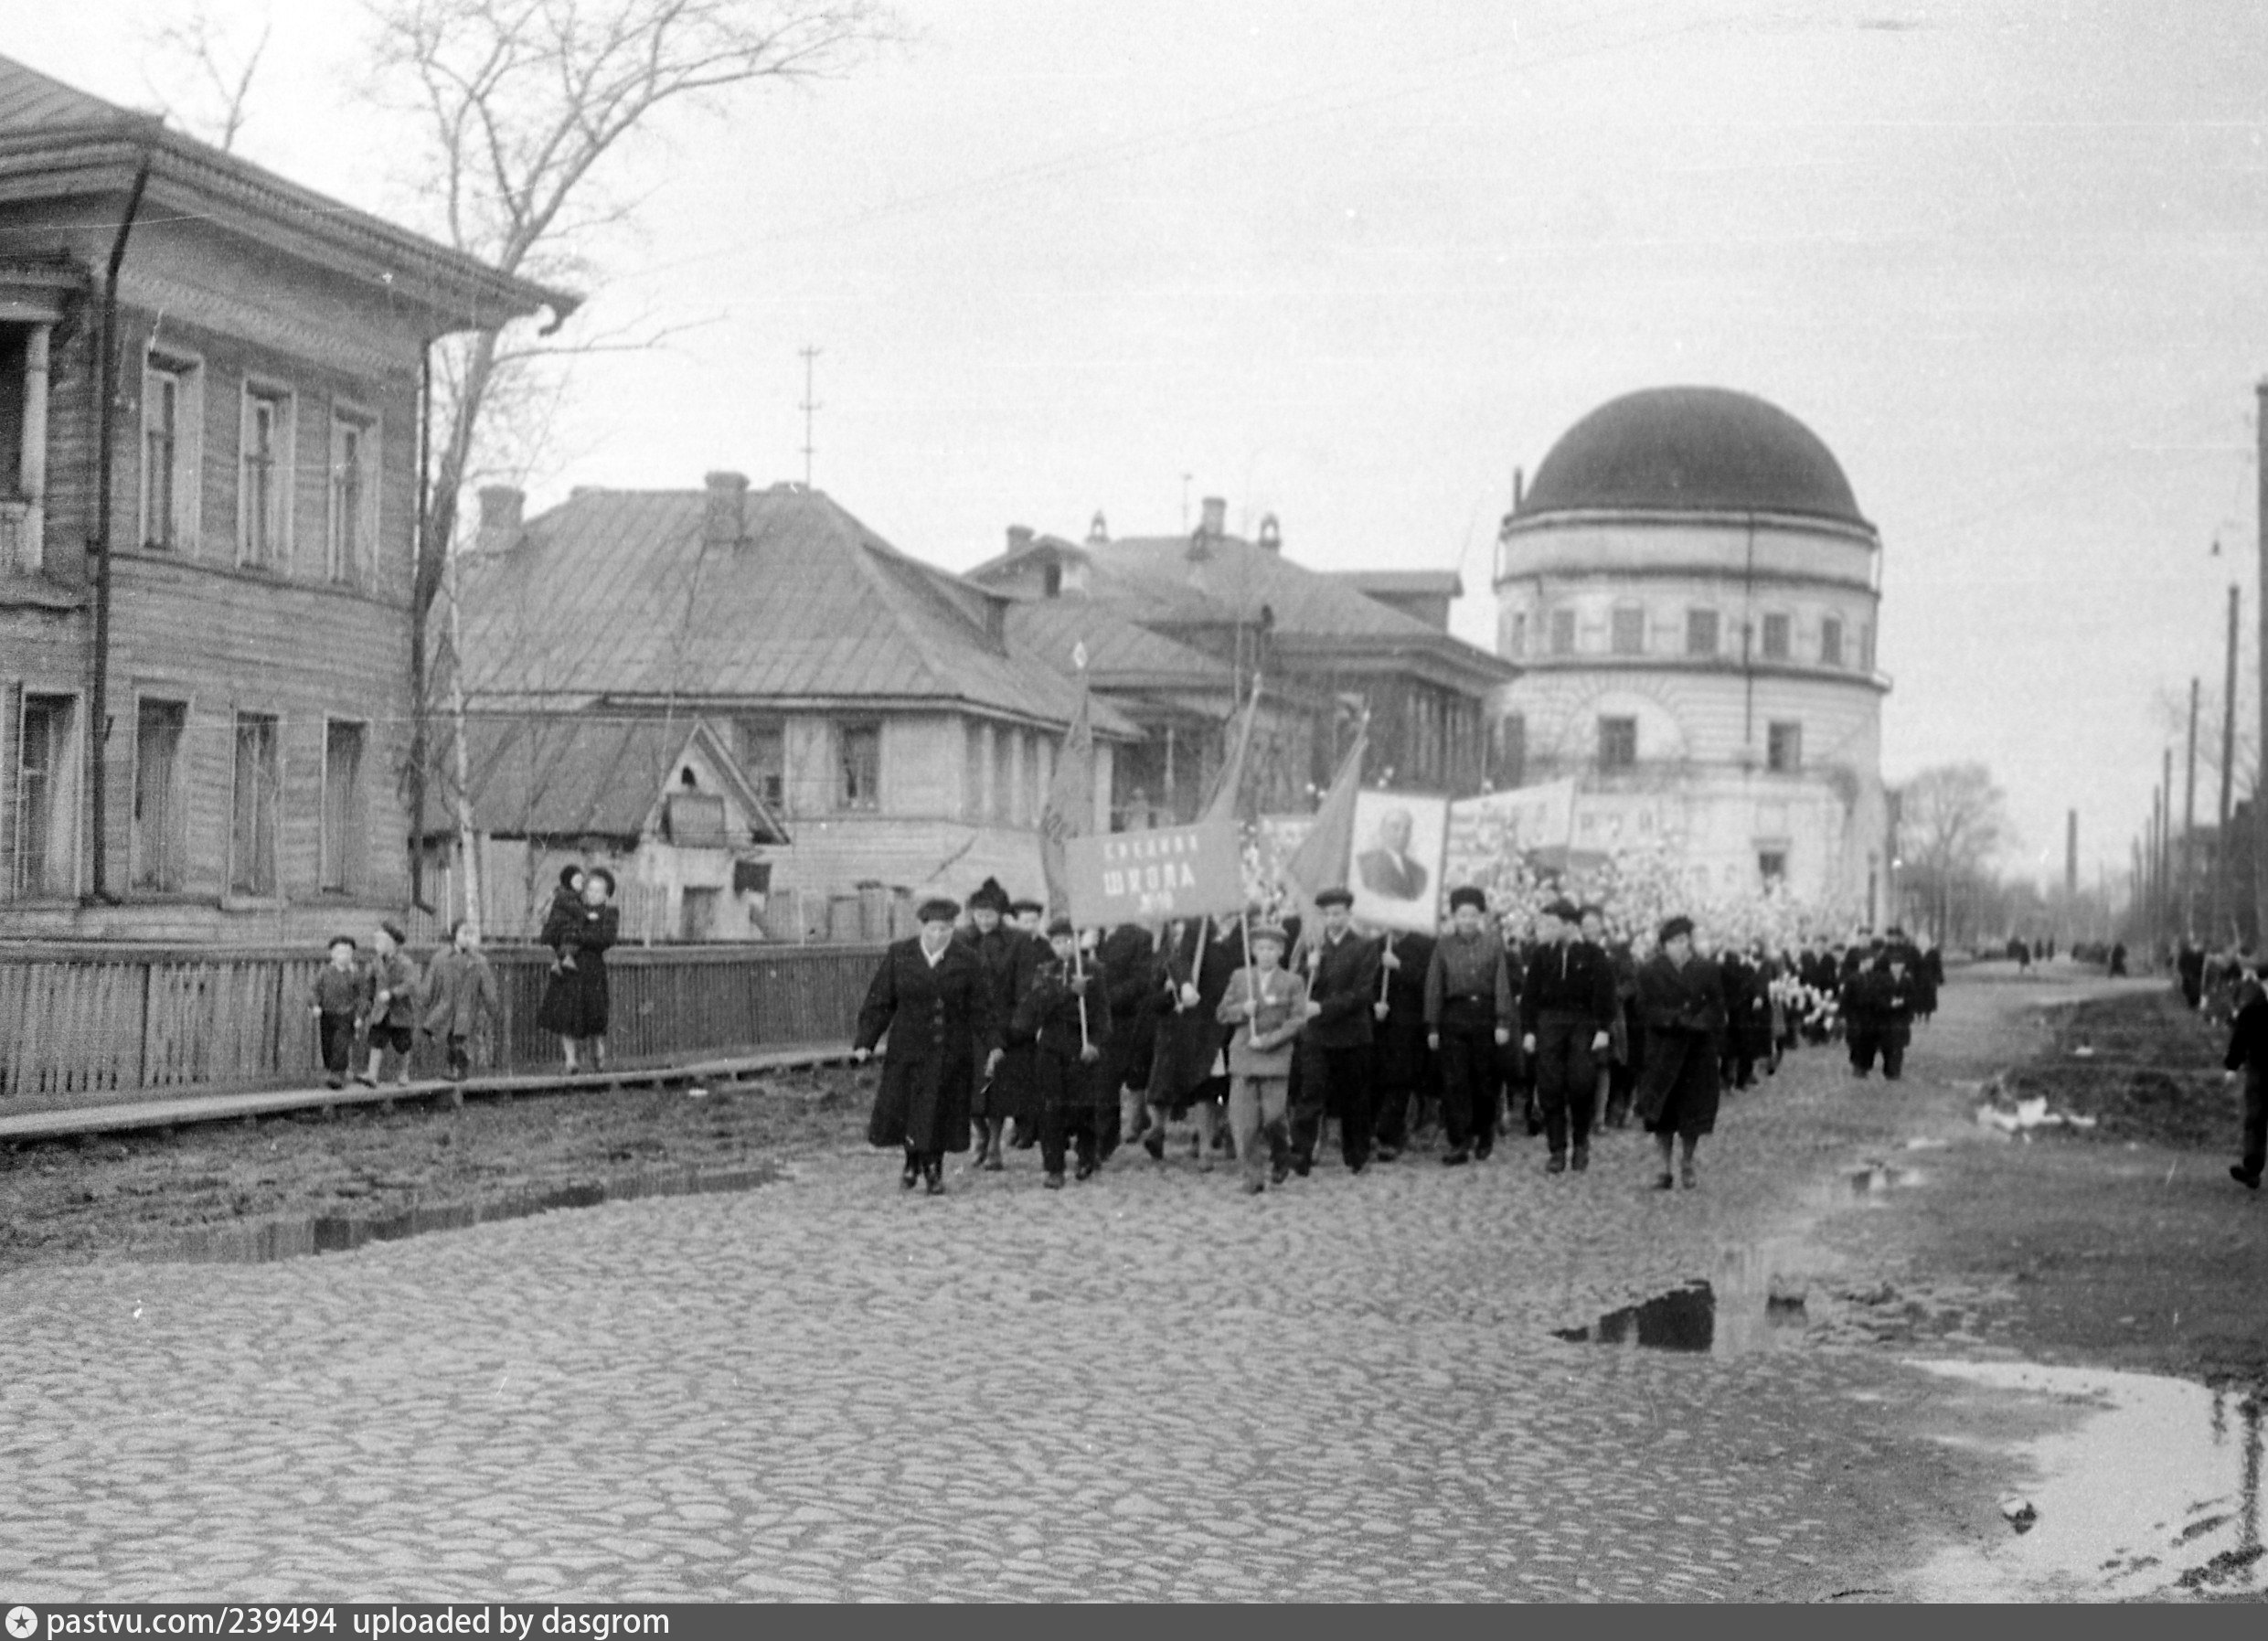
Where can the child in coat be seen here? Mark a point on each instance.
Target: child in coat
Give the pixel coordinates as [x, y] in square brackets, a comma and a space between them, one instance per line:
[393, 1006]
[338, 999]
[460, 993]
[1267, 1004]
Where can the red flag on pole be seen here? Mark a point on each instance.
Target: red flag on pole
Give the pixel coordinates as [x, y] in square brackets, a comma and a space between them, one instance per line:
[1069, 811]
[1220, 803]
[1320, 861]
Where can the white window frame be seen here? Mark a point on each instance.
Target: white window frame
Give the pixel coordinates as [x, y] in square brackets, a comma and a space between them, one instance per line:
[186, 372]
[176, 800]
[257, 391]
[348, 416]
[349, 884]
[63, 796]
[1794, 740]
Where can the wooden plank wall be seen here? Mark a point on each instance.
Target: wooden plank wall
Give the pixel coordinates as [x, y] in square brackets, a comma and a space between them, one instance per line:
[78, 1028]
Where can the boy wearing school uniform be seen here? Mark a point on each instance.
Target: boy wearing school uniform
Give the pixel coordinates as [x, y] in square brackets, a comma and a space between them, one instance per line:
[338, 999]
[393, 1006]
[1267, 1005]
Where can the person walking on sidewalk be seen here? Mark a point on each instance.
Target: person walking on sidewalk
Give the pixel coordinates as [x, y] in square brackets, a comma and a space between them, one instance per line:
[1267, 1005]
[1468, 1018]
[1681, 999]
[393, 1006]
[1567, 1016]
[2248, 1053]
[1335, 1075]
[931, 997]
[460, 996]
[339, 999]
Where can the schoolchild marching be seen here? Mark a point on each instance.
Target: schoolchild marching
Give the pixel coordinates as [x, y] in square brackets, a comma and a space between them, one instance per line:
[1267, 1005]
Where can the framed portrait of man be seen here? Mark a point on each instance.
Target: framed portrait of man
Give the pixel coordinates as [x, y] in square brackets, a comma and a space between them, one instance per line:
[1401, 841]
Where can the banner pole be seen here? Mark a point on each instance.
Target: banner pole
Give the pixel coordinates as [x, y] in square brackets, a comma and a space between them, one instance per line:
[1078, 972]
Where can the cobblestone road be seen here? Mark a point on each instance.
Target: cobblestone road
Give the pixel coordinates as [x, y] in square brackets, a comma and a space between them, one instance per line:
[1149, 1386]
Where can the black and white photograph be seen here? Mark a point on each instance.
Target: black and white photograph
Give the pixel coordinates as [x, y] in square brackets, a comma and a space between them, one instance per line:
[1043, 802]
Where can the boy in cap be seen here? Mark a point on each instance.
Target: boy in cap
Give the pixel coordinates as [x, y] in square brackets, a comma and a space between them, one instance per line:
[1468, 1018]
[1567, 1016]
[1267, 1005]
[393, 1006]
[1067, 1020]
[338, 1000]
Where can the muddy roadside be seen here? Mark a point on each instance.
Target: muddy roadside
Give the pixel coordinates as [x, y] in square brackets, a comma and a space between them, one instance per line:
[2123, 1245]
[155, 1195]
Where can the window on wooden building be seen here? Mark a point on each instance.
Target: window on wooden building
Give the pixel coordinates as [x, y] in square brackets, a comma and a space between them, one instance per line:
[1772, 865]
[172, 421]
[342, 745]
[1629, 630]
[47, 814]
[696, 913]
[1830, 641]
[256, 802]
[353, 517]
[1563, 631]
[859, 780]
[1618, 743]
[159, 833]
[760, 745]
[1784, 748]
[1701, 633]
[264, 480]
[1775, 637]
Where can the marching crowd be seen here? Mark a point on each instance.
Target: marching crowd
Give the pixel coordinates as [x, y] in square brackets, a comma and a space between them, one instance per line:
[1006, 1032]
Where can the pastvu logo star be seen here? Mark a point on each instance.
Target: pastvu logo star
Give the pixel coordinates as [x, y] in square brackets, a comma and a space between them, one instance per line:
[23, 1623]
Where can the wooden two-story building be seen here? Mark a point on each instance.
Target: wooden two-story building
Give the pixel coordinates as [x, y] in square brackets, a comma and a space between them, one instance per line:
[210, 394]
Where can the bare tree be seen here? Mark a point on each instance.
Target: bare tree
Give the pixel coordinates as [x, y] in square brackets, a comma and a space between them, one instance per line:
[205, 86]
[1953, 822]
[522, 104]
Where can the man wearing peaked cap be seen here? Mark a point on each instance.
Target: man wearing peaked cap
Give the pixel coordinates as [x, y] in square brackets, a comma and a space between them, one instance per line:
[930, 998]
[938, 910]
[1335, 1068]
[1567, 1016]
[1335, 897]
[1468, 1018]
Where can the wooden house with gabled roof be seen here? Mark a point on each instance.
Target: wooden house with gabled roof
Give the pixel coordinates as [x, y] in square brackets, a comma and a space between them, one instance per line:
[874, 702]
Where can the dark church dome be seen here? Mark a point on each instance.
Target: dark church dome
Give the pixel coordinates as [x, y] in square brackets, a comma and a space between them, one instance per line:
[1691, 450]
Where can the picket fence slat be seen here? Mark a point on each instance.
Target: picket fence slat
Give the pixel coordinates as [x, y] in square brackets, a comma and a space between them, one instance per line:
[92, 1026]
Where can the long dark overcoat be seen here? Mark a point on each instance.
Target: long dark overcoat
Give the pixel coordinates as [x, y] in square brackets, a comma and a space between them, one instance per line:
[939, 1023]
[575, 1000]
[1189, 1040]
[1129, 954]
[1684, 1011]
[1011, 960]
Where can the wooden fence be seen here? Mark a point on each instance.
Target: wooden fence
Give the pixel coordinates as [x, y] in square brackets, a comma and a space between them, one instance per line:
[87, 1026]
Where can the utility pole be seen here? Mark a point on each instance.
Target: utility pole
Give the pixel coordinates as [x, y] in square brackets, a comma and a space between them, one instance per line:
[810, 408]
[2165, 845]
[2070, 874]
[2189, 829]
[2260, 832]
[2224, 906]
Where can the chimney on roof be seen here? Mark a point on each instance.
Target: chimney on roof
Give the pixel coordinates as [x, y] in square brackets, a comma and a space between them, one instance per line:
[1211, 527]
[725, 521]
[1098, 530]
[1271, 533]
[1019, 537]
[501, 507]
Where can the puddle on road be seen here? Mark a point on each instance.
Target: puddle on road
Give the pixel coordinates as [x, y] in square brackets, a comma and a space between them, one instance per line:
[1737, 1312]
[261, 1241]
[2155, 1492]
[1877, 1178]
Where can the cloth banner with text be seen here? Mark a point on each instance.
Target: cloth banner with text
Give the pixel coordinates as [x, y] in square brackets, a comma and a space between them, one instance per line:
[1150, 877]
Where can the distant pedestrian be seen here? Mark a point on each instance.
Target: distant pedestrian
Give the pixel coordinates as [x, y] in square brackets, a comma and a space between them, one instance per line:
[1470, 1007]
[931, 998]
[339, 999]
[460, 996]
[393, 1006]
[1567, 1019]
[576, 1004]
[1681, 1000]
[2248, 1053]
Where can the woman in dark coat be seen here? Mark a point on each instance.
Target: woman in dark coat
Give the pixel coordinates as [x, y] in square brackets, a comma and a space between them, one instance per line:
[1195, 961]
[575, 1001]
[1681, 999]
[930, 998]
[1129, 954]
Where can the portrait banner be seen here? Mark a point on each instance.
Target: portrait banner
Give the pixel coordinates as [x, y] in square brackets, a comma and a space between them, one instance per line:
[1523, 821]
[1151, 876]
[1401, 841]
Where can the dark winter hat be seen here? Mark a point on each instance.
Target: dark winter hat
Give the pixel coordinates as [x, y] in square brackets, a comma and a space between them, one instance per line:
[1468, 896]
[938, 910]
[1565, 910]
[1583, 911]
[567, 874]
[1335, 897]
[1019, 908]
[392, 929]
[598, 874]
[1059, 925]
[338, 941]
[989, 897]
[1672, 927]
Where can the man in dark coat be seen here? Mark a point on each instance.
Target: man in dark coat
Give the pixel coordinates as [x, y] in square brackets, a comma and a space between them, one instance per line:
[2248, 1053]
[1681, 999]
[1342, 990]
[930, 998]
[1880, 1005]
[1403, 1067]
[1567, 1017]
[1190, 978]
[1065, 1019]
[1469, 1010]
[1129, 955]
[1010, 958]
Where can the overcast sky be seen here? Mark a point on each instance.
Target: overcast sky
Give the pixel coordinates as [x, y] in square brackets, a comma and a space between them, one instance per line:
[1352, 263]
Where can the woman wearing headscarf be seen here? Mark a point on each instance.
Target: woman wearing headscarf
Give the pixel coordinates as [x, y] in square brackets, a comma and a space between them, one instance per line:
[574, 1002]
[931, 998]
[1681, 999]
